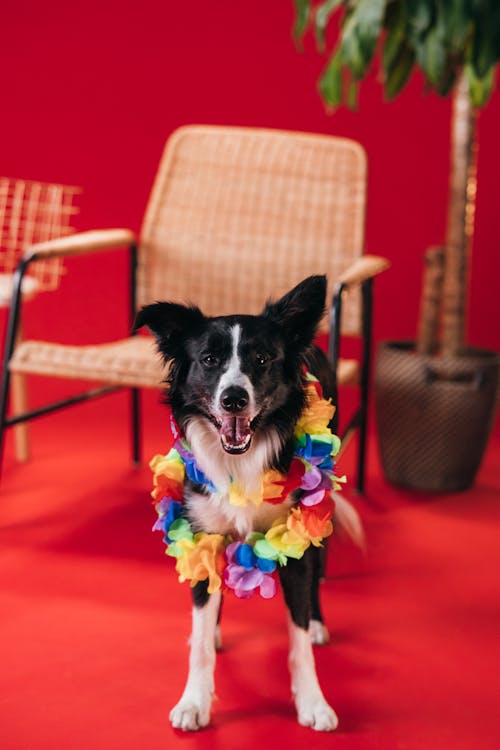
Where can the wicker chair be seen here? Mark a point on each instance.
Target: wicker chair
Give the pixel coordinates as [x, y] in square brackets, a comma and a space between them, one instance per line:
[236, 216]
[30, 212]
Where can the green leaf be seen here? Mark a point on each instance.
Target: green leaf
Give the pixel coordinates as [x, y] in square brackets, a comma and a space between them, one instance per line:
[360, 34]
[351, 49]
[480, 88]
[420, 15]
[302, 12]
[330, 84]
[369, 18]
[396, 23]
[484, 54]
[324, 11]
[352, 103]
[458, 25]
[431, 55]
[397, 75]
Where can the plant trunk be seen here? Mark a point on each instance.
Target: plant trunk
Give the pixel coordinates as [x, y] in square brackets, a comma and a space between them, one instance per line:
[460, 219]
[430, 306]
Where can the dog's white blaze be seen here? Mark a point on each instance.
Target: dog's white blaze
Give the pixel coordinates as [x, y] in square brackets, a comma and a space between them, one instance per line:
[193, 710]
[233, 374]
[312, 709]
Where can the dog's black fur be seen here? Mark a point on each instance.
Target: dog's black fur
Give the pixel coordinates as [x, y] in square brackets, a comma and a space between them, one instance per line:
[273, 349]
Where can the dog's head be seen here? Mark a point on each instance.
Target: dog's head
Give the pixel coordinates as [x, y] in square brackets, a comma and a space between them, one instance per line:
[239, 372]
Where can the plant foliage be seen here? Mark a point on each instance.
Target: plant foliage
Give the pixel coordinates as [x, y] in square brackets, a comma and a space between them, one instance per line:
[441, 37]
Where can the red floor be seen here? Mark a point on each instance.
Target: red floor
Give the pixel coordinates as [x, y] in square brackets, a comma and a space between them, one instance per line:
[94, 625]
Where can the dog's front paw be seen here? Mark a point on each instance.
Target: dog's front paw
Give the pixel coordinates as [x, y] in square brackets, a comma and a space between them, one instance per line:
[318, 633]
[317, 714]
[190, 715]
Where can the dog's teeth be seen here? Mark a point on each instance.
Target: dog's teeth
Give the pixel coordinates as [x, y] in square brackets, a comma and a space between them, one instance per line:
[236, 446]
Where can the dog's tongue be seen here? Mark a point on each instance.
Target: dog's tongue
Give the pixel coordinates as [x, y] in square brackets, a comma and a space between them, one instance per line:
[235, 432]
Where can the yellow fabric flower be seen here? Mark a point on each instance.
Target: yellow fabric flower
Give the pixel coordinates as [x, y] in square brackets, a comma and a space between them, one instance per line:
[271, 489]
[202, 559]
[238, 495]
[285, 540]
[316, 415]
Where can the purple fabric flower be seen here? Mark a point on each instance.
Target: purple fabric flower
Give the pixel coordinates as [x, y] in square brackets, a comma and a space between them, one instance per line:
[312, 498]
[315, 484]
[245, 580]
[311, 479]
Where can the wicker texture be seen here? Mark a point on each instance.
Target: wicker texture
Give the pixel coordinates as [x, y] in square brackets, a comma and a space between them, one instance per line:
[431, 415]
[239, 215]
[32, 212]
[129, 362]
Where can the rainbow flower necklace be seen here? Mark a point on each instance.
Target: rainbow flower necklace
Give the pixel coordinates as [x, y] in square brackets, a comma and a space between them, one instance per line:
[247, 565]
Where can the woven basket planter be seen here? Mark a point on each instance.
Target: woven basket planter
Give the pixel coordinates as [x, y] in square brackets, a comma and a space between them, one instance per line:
[434, 416]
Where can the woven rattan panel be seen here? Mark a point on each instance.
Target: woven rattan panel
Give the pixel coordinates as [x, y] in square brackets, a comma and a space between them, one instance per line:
[130, 362]
[238, 216]
[32, 212]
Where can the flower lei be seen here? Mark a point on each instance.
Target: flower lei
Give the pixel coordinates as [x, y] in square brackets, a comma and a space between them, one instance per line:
[249, 564]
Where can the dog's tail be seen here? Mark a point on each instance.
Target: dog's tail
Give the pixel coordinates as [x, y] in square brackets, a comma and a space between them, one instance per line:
[346, 517]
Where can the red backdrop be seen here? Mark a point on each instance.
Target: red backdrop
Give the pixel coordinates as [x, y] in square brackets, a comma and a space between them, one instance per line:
[91, 90]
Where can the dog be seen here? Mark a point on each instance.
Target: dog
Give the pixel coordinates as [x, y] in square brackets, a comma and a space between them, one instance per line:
[237, 388]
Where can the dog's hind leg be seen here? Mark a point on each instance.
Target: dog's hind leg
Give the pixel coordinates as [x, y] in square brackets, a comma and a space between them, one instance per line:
[193, 710]
[312, 708]
[318, 632]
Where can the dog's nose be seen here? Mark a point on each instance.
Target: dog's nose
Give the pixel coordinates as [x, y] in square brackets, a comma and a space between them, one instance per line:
[234, 399]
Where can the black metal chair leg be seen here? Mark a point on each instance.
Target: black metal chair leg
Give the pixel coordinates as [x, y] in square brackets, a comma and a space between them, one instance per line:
[4, 393]
[367, 298]
[360, 479]
[10, 341]
[135, 398]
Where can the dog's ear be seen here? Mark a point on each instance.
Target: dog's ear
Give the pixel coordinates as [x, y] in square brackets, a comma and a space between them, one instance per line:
[300, 311]
[171, 324]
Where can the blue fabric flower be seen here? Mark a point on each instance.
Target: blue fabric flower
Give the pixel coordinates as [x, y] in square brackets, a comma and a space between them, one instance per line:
[174, 512]
[193, 471]
[245, 556]
[267, 566]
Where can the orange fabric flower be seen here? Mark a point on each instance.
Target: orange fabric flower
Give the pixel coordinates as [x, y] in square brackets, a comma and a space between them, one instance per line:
[313, 523]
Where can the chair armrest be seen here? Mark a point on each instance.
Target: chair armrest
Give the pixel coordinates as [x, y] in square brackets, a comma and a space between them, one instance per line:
[80, 244]
[363, 269]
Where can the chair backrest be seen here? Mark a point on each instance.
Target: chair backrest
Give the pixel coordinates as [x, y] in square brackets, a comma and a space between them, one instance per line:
[240, 215]
[34, 212]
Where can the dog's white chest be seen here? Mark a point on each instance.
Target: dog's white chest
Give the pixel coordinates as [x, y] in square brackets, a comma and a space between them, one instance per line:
[214, 514]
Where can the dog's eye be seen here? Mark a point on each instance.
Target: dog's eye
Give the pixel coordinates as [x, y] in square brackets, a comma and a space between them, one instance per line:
[209, 360]
[261, 359]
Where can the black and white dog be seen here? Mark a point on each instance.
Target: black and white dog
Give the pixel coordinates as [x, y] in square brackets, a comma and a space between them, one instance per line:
[236, 389]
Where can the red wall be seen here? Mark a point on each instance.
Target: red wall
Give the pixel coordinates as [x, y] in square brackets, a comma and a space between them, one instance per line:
[90, 90]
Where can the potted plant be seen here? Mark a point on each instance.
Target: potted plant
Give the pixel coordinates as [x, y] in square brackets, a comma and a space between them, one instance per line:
[435, 400]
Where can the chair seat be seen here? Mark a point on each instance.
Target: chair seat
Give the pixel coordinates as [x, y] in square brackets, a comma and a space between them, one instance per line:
[129, 362]
[30, 287]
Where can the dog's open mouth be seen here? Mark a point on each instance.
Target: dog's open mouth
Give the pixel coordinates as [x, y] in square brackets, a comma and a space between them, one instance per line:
[235, 433]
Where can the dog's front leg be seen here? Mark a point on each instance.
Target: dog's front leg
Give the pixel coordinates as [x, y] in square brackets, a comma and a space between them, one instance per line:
[312, 708]
[193, 710]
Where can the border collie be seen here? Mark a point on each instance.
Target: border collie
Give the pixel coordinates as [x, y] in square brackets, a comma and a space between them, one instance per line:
[237, 391]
